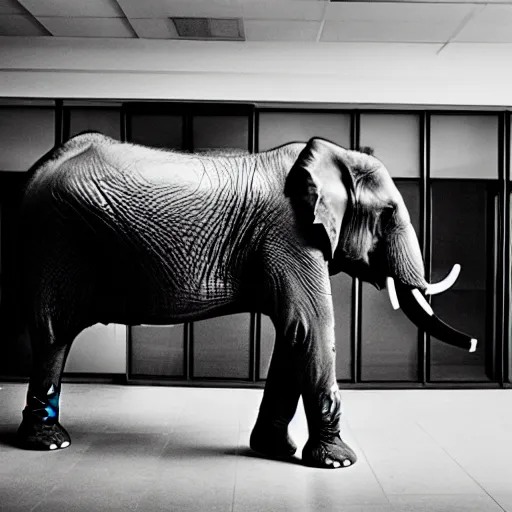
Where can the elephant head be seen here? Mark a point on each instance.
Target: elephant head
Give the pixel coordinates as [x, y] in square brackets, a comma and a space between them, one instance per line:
[352, 198]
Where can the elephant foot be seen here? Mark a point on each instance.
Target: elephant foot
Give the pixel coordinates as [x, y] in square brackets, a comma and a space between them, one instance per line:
[328, 454]
[271, 441]
[35, 434]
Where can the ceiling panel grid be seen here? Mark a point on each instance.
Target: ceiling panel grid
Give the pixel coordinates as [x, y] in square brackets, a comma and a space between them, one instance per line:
[321, 21]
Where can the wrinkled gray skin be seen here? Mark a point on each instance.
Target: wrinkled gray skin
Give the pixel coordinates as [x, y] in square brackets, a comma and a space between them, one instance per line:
[122, 233]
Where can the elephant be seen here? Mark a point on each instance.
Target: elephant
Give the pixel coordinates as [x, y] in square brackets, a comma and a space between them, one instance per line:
[115, 232]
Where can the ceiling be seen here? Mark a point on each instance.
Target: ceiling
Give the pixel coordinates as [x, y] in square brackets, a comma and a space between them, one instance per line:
[320, 21]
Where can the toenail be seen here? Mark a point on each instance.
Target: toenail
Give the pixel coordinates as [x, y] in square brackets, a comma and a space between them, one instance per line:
[336, 464]
[53, 446]
[328, 461]
[346, 462]
[65, 444]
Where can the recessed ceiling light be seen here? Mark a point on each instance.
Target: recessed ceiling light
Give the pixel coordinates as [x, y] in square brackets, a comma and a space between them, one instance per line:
[217, 29]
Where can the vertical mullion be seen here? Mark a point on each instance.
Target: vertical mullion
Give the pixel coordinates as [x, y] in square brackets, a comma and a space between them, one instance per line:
[188, 352]
[506, 242]
[255, 323]
[59, 122]
[425, 236]
[502, 256]
[255, 124]
[125, 132]
[188, 339]
[356, 283]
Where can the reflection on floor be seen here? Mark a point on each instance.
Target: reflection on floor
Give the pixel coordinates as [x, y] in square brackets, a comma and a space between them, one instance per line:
[156, 449]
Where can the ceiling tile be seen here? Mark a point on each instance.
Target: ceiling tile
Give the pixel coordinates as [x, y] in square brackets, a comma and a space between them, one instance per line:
[396, 32]
[310, 10]
[385, 11]
[269, 30]
[73, 8]
[491, 25]
[87, 27]
[11, 7]
[154, 28]
[20, 25]
[188, 8]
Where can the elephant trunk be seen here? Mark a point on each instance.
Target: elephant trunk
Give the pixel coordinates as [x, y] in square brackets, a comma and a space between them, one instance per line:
[405, 264]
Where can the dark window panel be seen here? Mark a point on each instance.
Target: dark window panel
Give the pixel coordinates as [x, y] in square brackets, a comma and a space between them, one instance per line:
[220, 132]
[26, 134]
[157, 351]
[389, 341]
[341, 288]
[106, 121]
[163, 131]
[221, 347]
[461, 233]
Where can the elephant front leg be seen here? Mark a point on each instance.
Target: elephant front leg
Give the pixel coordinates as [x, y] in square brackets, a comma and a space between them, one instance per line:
[322, 401]
[303, 363]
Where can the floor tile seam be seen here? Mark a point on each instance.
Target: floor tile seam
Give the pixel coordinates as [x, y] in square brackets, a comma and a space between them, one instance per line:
[370, 466]
[237, 460]
[460, 465]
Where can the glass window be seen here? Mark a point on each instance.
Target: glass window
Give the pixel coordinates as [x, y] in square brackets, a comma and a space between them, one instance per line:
[395, 140]
[161, 131]
[278, 128]
[157, 351]
[104, 120]
[464, 146]
[463, 215]
[341, 288]
[389, 341]
[221, 347]
[26, 134]
[220, 132]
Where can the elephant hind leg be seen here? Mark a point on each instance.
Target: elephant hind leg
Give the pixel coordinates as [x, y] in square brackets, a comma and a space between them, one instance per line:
[270, 435]
[40, 428]
[51, 341]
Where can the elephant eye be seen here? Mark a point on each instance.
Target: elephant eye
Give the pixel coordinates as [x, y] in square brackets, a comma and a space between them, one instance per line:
[385, 217]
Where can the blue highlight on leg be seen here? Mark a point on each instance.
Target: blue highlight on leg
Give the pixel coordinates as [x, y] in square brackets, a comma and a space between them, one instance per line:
[53, 406]
[46, 408]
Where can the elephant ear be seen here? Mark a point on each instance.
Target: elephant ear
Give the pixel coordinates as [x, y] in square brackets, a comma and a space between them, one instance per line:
[317, 185]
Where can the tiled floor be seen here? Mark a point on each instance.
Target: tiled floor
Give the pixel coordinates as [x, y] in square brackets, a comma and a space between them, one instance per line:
[185, 449]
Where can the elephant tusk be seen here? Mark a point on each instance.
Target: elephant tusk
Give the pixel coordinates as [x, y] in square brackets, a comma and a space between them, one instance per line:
[422, 302]
[417, 309]
[390, 286]
[447, 282]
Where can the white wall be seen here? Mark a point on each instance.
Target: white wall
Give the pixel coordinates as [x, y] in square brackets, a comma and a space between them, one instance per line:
[99, 349]
[369, 73]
